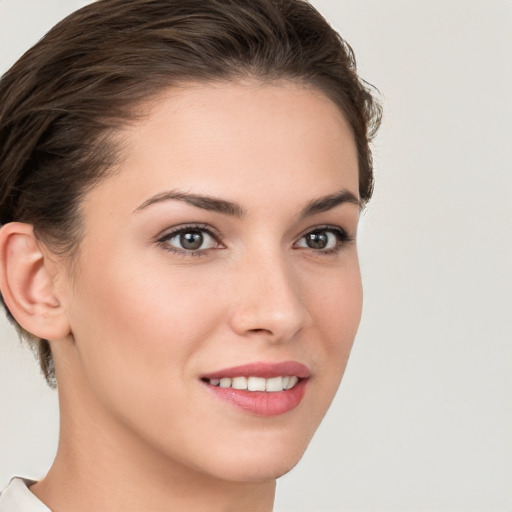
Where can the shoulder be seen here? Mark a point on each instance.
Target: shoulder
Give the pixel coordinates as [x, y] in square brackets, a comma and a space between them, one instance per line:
[16, 497]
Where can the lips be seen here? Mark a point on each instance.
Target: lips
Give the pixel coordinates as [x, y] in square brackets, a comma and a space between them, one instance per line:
[264, 370]
[262, 389]
[253, 383]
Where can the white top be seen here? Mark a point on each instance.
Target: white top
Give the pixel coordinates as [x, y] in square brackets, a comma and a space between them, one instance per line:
[16, 497]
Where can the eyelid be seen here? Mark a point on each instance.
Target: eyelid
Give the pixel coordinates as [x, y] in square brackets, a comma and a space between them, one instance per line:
[342, 234]
[174, 230]
[326, 227]
[170, 233]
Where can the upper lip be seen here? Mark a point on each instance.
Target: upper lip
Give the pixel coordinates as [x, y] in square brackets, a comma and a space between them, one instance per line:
[262, 369]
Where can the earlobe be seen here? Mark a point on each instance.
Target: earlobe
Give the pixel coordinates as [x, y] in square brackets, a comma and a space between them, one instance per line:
[27, 285]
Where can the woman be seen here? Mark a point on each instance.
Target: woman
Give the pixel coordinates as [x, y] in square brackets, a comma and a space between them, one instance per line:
[181, 184]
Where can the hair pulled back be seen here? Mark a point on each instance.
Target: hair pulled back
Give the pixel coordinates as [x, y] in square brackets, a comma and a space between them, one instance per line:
[61, 103]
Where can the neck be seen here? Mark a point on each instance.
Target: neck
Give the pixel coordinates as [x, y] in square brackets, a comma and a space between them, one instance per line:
[100, 461]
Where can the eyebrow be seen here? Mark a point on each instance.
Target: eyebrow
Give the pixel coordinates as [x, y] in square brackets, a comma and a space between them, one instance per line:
[224, 207]
[205, 202]
[326, 203]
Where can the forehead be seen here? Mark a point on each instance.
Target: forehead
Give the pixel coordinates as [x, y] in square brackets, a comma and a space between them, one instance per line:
[237, 139]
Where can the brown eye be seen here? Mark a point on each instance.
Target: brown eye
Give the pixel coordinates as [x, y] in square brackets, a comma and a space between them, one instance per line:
[189, 240]
[325, 239]
[317, 240]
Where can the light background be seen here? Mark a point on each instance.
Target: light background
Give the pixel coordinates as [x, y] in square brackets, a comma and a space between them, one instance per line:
[423, 421]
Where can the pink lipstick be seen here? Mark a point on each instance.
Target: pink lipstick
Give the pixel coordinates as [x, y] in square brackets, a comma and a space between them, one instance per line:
[263, 389]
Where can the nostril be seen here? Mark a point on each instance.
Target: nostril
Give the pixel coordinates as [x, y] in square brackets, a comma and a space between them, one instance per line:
[261, 331]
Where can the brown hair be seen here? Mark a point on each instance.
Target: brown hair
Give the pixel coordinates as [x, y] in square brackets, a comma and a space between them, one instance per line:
[62, 101]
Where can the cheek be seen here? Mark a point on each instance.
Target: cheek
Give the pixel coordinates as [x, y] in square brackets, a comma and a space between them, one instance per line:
[144, 326]
[336, 307]
[139, 354]
[336, 304]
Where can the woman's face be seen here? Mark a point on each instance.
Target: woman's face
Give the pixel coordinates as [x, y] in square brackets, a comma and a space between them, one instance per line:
[221, 255]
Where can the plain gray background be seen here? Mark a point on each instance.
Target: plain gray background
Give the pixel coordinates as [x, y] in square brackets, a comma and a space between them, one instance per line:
[423, 420]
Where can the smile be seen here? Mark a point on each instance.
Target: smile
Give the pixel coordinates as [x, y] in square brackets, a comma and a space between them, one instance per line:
[272, 385]
[262, 389]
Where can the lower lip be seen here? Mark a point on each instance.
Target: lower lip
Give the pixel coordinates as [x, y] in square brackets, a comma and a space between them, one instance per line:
[262, 403]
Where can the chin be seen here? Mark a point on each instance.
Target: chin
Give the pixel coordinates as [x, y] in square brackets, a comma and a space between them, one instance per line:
[259, 471]
[260, 460]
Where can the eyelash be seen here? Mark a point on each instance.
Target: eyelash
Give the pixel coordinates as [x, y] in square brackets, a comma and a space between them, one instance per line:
[341, 235]
[343, 239]
[202, 228]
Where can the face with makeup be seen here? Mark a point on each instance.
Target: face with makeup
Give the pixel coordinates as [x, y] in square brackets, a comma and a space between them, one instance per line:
[216, 294]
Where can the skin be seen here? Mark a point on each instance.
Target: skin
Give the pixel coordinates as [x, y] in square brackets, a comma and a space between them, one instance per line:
[139, 431]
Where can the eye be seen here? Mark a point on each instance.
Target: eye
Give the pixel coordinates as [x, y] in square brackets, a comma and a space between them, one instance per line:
[189, 239]
[323, 239]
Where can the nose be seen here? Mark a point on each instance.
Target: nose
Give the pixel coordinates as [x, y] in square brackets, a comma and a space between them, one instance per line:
[268, 300]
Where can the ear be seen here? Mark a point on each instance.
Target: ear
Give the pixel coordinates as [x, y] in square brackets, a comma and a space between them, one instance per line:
[28, 285]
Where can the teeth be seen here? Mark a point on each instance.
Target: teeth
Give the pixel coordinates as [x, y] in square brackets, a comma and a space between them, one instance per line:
[274, 384]
[224, 383]
[293, 380]
[257, 383]
[239, 383]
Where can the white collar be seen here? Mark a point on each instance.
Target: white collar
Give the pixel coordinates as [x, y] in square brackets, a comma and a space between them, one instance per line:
[16, 497]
